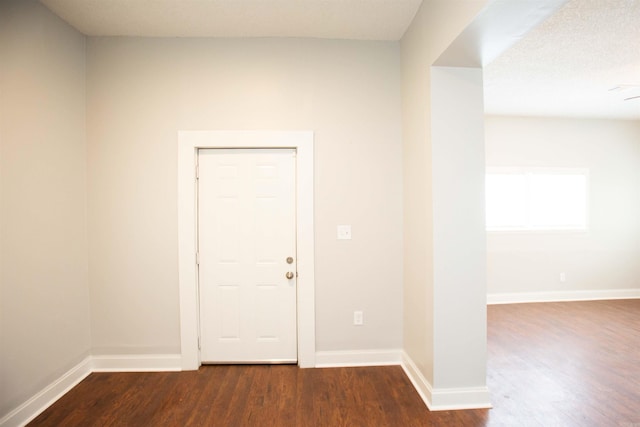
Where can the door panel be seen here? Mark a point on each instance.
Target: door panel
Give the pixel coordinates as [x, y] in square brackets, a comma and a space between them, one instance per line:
[246, 231]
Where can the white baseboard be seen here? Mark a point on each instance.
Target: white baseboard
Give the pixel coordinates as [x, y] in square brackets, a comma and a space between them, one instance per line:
[434, 399]
[460, 398]
[136, 363]
[444, 399]
[556, 296]
[336, 359]
[420, 383]
[26, 412]
[103, 363]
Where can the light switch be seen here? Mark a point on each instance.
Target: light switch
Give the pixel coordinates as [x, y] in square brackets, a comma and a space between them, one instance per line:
[344, 232]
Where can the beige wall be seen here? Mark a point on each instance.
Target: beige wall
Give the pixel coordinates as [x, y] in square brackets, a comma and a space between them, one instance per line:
[605, 257]
[141, 92]
[435, 26]
[44, 302]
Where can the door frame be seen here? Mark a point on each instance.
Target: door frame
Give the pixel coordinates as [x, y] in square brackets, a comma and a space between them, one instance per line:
[189, 142]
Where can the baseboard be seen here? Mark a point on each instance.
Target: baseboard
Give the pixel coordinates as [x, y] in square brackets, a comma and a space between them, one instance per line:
[557, 296]
[444, 399]
[103, 363]
[434, 399]
[420, 383]
[26, 412]
[335, 359]
[460, 398]
[136, 363]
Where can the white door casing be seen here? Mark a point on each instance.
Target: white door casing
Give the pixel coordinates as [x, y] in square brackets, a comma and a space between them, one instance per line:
[189, 142]
[246, 255]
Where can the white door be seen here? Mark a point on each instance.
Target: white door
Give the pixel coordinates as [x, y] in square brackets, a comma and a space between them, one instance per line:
[247, 255]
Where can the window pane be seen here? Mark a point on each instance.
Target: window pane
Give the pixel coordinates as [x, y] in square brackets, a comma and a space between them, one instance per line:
[505, 201]
[558, 201]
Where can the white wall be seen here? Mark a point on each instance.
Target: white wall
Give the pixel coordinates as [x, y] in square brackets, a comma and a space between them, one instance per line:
[459, 238]
[435, 26]
[142, 91]
[44, 301]
[605, 257]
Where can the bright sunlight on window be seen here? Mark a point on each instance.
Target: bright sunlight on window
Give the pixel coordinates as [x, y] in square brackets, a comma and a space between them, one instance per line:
[536, 199]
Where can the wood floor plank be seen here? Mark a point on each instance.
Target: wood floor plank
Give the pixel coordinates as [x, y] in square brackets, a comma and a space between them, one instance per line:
[555, 364]
[565, 364]
[258, 392]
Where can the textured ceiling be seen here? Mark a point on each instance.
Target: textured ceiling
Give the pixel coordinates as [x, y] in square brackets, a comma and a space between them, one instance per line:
[335, 19]
[567, 65]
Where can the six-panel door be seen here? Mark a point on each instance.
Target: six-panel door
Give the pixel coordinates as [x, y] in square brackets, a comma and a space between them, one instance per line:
[246, 232]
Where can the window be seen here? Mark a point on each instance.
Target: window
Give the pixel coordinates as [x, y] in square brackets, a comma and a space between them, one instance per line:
[536, 199]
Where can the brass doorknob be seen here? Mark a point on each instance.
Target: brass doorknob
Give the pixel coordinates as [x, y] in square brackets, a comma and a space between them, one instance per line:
[289, 275]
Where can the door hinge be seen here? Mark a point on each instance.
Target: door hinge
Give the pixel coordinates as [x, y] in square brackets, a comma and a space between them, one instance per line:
[199, 348]
[197, 258]
[197, 171]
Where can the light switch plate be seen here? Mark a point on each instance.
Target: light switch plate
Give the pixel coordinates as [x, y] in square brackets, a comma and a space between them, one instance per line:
[344, 232]
[358, 318]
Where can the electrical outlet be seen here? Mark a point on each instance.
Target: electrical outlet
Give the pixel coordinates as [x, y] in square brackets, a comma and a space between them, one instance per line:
[344, 232]
[358, 320]
[563, 277]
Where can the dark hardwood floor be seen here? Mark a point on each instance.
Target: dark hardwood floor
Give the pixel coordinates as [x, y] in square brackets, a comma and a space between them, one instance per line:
[553, 364]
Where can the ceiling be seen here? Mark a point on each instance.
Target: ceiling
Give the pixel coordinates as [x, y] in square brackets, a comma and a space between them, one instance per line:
[564, 67]
[568, 65]
[330, 19]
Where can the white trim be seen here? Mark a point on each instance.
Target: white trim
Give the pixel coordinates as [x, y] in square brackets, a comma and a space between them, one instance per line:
[33, 407]
[351, 358]
[136, 363]
[420, 383]
[557, 296]
[444, 399]
[188, 144]
[452, 399]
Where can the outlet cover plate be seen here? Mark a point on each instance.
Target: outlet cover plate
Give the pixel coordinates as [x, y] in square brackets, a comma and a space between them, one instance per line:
[358, 319]
[344, 232]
